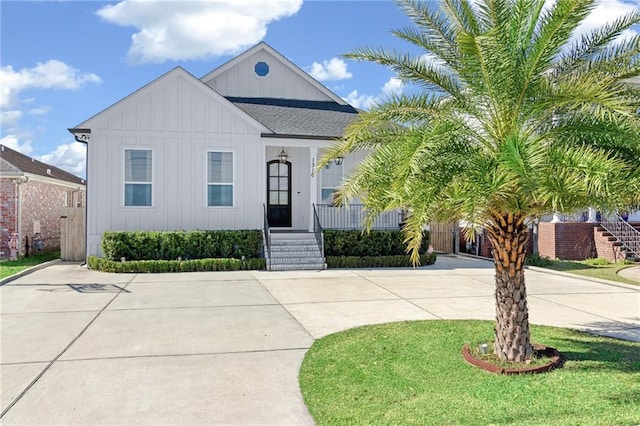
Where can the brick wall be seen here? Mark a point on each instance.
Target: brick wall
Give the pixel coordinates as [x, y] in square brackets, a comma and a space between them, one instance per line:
[7, 215]
[41, 205]
[567, 240]
[486, 246]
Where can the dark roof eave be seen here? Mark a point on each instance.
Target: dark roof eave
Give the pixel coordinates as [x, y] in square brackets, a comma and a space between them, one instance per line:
[74, 130]
[83, 138]
[289, 136]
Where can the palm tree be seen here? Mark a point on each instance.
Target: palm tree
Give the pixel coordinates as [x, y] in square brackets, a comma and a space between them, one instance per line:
[515, 116]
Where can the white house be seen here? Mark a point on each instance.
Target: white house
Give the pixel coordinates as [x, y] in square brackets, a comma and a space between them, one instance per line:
[188, 153]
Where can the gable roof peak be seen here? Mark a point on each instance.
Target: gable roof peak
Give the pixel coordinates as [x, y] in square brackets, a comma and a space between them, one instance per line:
[283, 59]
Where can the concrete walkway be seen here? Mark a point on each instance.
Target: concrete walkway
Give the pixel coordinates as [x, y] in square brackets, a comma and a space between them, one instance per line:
[85, 347]
[632, 273]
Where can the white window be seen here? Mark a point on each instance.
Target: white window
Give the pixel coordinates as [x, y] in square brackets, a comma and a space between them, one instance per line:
[331, 180]
[219, 179]
[137, 177]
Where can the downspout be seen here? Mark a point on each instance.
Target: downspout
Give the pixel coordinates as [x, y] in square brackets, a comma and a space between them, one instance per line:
[19, 182]
[72, 203]
[84, 138]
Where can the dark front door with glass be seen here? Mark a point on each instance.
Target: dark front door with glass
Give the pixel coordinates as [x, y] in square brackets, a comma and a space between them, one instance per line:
[279, 194]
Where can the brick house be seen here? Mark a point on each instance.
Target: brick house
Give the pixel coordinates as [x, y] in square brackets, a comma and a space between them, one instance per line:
[33, 195]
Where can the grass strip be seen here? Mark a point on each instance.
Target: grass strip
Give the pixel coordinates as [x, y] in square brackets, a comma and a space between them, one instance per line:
[11, 267]
[594, 268]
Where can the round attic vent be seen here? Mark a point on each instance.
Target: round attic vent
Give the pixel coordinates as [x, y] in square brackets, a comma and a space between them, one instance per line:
[262, 69]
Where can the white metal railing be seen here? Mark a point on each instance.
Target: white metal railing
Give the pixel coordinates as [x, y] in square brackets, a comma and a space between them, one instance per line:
[318, 231]
[266, 235]
[352, 217]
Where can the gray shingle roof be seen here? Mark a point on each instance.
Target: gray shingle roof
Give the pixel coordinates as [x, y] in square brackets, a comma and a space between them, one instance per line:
[27, 164]
[291, 117]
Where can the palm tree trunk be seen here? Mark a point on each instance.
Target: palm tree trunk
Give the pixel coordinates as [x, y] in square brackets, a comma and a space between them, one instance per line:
[508, 234]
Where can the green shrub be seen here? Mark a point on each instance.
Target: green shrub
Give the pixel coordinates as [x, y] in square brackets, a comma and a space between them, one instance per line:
[537, 260]
[155, 266]
[396, 261]
[374, 243]
[169, 245]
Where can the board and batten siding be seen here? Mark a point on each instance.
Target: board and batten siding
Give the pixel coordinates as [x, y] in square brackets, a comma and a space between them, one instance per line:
[179, 119]
[281, 81]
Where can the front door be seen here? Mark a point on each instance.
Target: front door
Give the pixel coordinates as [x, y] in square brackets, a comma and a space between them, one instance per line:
[279, 194]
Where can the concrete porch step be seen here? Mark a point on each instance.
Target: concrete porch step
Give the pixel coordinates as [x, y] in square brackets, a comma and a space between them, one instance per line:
[292, 251]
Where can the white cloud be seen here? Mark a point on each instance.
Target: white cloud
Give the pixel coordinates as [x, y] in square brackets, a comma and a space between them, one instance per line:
[14, 143]
[52, 74]
[70, 157]
[40, 110]
[393, 86]
[333, 69]
[175, 30]
[10, 118]
[357, 100]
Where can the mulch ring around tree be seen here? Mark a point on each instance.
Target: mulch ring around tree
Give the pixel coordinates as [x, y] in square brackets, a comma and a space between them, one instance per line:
[540, 351]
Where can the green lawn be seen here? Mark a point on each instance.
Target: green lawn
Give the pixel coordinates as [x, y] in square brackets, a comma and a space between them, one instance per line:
[413, 373]
[10, 268]
[595, 268]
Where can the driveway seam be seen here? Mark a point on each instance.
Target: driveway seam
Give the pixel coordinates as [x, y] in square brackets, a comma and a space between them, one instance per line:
[287, 310]
[256, 351]
[400, 297]
[50, 364]
[8, 314]
[256, 305]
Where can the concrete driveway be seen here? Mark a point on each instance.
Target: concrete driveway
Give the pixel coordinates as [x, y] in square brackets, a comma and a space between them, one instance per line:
[85, 347]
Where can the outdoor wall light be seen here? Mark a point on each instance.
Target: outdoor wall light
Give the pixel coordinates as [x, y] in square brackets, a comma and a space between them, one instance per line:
[338, 160]
[283, 156]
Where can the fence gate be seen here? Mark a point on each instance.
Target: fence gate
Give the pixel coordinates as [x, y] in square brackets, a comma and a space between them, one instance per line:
[443, 237]
[72, 234]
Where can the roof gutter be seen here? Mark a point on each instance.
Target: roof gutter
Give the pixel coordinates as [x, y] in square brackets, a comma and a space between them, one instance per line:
[287, 136]
[84, 134]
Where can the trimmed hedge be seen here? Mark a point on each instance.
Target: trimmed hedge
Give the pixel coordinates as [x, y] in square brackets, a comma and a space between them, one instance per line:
[374, 243]
[397, 261]
[169, 245]
[147, 266]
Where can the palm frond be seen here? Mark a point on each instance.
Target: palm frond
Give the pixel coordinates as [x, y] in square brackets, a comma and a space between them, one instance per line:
[598, 42]
[425, 73]
[431, 22]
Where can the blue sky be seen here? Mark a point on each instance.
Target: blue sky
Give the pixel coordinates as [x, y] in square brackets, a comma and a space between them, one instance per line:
[63, 61]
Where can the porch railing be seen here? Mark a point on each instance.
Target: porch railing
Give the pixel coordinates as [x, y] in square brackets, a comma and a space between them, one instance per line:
[623, 232]
[266, 235]
[352, 217]
[318, 231]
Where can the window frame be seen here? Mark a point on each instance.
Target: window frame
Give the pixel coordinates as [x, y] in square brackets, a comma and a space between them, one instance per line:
[333, 188]
[126, 182]
[232, 183]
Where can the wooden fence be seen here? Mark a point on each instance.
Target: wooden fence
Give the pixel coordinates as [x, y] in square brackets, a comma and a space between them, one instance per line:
[72, 234]
[443, 237]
